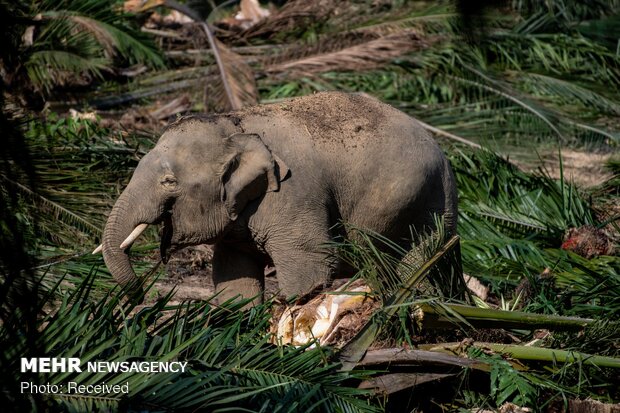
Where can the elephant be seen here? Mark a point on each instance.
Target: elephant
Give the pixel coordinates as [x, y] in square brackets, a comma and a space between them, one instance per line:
[268, 184]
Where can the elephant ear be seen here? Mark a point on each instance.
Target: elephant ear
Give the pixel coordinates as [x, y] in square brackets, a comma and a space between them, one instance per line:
[250, 171]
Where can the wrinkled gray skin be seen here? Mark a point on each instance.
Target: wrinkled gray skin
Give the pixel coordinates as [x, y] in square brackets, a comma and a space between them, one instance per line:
[267, 184]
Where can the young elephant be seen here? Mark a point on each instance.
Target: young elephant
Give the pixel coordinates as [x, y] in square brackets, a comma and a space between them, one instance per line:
[268, 184]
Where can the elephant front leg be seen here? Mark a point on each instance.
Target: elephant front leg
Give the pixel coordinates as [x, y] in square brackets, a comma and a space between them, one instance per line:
[237, 273]
[300, 270]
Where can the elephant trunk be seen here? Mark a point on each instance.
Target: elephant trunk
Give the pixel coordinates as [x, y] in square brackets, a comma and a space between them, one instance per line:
[125, 216]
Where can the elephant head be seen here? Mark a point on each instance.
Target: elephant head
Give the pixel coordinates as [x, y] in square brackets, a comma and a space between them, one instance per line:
[196, 182]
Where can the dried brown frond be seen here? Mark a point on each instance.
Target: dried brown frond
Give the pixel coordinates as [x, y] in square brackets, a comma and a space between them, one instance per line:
[364, 56]
[325, 44]
[102, 35]
[428, 25]
[295, 14]
[236, 86]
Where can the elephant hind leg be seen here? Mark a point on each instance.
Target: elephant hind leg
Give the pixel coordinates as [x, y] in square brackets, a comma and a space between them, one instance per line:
[237, 273]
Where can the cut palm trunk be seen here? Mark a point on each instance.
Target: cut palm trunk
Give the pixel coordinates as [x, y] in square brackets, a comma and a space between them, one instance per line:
[391, 383]
[408, 357]
[527, 353]
[447, 315]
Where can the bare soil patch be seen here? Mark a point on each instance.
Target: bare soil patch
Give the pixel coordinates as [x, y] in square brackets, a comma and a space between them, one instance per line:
[189, 273]
[586, 169]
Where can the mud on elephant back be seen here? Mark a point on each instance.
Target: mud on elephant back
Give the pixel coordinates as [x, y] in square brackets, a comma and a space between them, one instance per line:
[267, 185]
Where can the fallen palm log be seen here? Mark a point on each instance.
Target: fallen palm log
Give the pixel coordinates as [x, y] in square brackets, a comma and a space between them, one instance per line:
[529, 353]
[408, 357]
[125, 98]
[158, 84]
[174, 75]
[392, 383]
[206, 56]
[447, 315]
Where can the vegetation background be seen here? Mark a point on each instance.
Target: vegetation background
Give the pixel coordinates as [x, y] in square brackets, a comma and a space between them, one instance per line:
[522, 95]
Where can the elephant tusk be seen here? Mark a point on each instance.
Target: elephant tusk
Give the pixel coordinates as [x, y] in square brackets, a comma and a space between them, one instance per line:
[133, 236]
[98, 249]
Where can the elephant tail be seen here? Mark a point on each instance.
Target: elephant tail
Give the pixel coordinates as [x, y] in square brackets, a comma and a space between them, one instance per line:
[451, 200]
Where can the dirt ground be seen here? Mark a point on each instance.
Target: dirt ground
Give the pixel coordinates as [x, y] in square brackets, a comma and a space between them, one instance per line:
[585, 169]
[189, 272]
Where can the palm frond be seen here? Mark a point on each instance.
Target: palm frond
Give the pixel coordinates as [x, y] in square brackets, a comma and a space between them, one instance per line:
[59, 212]
[77, 163]
[48, 68]
[77, 38]
[115, 40]
[231, 365]
[365, 56]
[411, 273]
[569, 92]
[235, 87]
[568, 11]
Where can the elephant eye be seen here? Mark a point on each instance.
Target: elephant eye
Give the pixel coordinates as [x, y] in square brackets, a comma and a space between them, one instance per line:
[169, 181]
